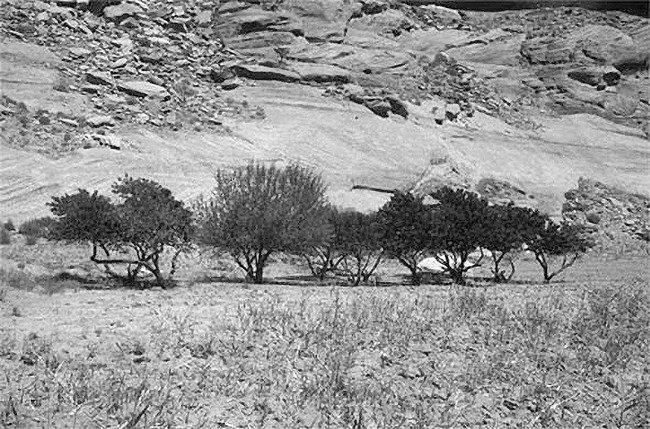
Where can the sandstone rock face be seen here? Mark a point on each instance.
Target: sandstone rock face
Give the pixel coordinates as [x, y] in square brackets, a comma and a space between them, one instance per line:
[312, 72]
[486, 84]
[257, 72]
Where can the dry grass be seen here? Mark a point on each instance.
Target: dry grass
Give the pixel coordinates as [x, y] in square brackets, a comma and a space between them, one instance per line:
[275, 356]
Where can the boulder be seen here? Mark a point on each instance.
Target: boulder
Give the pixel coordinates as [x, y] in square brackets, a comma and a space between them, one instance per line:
[321, 72]
[143, 89]
[379, 107]
[397, 106]
[323, 20]
[257, 72]
[452, 111]
[121, 11]
[100, 120]
[99, 78]
[220, 74]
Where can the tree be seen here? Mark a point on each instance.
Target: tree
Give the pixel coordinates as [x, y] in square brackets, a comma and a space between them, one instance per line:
[257, 210]
[323, 257]
[406, 230]
[460, 226]
[135, 231]
[357, 236]
[561, 244]
[510, 228]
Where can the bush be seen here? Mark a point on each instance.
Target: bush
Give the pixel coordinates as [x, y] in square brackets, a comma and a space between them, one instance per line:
[40, 227]
[255, 211]
[9, 225]
[460, 226]
[146, 221]
[357, 237]
[406, 232]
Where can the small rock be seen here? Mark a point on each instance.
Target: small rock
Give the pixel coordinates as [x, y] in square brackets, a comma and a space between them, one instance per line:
[452, 111]
[398, 107]
[70, 122]
[121, 11]
[593, 217]
[120, 62]
[90, 89]
[230, 84]
[143, 89]
[99, 120]
[219, 75]
[379, 107]
[79, 52]
[99, 78]
[156, 80]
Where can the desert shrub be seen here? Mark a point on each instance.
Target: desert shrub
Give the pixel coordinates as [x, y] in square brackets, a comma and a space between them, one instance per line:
[257, 210]
[559, 245]
[9, 225]
[5, 236]
[17, 279]
[357, 237]
[509, 228]
[145, 222]
[460, 226]
[31, 240]
[39, 227]
[406, 231]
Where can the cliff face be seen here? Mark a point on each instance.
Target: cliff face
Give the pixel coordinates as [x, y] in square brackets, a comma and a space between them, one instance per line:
[516, 104]
[632, 7]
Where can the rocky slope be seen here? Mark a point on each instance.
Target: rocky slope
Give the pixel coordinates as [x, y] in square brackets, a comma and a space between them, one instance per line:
[517, 104]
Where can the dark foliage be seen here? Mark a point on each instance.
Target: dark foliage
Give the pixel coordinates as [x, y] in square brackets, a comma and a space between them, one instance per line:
[406, 230]
[9, 225]
[357, 237]
[561, 244]
[146, 221]
[257, 210]
[510, 228]
[39, 227]
[324, 258]
[460, 226]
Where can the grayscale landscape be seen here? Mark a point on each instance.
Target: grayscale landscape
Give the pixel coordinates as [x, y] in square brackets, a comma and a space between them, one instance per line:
[324, 214]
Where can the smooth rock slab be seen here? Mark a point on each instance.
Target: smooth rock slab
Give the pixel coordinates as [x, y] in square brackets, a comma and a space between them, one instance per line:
[257, 72]
[143, 89]
[321, 72]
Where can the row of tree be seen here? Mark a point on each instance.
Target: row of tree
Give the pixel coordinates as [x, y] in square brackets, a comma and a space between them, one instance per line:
[258, 210]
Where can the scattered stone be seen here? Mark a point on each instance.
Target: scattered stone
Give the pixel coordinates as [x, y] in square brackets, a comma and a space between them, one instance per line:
[230, 84]
[79, 52]
[379, 107]
[452, 111]
[120, 62]
[219, 75]
[143, 89]
[70, 122]
[100, 120]
[121, 11]
[99, 78]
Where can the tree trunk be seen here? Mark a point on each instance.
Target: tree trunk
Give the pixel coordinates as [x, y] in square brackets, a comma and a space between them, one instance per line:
[415, 276]
[457, 276]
